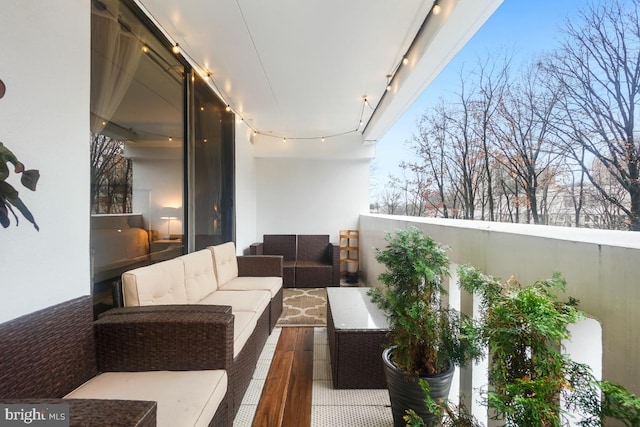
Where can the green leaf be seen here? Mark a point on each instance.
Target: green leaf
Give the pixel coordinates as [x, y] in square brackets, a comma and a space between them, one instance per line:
[30, 179]
[24, 210]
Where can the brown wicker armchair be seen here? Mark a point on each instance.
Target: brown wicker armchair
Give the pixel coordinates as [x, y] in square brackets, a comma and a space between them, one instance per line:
[49, 353]
[280, 244]
[310, 261]
[317, 262]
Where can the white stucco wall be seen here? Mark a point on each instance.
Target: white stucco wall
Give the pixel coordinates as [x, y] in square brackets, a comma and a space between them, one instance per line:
[44, 119]
[246, 188]
[311, 196]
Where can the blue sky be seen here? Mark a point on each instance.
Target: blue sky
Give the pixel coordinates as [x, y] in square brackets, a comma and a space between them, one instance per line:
[524, 27]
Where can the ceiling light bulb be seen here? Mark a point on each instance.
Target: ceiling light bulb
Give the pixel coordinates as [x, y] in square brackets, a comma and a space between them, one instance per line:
[145, 49]
[388, 88]
[284, 140]
[323, 139]
[204, 140]
[436, 9]
[255, 132]
[170, 139]
[228, 108]
[176, 49]
[405, 61]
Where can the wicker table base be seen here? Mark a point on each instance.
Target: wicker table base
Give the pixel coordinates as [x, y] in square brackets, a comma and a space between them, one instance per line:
[356, 331]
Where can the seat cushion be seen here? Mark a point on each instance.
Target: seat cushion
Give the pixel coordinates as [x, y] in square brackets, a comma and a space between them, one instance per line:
[254, 301]
[226, 264]
[311, 274]
[185, 398]
[247, 283]
[244, 323]
[199, 276]
[161, 283]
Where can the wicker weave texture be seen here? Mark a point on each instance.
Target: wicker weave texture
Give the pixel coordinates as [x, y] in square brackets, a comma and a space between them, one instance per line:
[280, 244]
[313, 247]
[47, 353]
[356, 357]
[101, 412]
[260, 266]
[177, 338]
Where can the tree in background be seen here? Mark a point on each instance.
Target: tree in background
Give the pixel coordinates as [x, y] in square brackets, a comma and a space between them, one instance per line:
[555, 144]
[598, 70]
[111, 176]
[524, 138]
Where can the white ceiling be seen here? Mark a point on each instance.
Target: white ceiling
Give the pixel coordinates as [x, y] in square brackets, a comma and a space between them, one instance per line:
[300, 68]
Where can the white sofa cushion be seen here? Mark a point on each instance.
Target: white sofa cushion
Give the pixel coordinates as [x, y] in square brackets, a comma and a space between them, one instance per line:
[156, 284]
[226, 264]
[244, 322]
[242, 283]
[255, 301]
[200, 279]
[185, 398]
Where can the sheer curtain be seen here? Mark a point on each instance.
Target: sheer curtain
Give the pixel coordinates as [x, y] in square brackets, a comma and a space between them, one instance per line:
[116, 54]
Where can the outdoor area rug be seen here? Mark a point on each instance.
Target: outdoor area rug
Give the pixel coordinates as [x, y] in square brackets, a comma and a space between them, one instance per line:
[304, 307]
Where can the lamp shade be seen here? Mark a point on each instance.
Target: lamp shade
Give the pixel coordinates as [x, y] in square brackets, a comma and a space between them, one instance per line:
[168, 213]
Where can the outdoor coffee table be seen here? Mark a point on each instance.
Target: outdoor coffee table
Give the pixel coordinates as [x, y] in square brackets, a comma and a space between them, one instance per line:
[356, 330]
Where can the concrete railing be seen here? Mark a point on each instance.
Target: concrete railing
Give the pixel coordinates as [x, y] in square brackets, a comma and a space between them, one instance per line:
[602, 269]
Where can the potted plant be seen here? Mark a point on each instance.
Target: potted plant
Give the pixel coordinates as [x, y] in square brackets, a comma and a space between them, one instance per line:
[428, 340]
[523, 327]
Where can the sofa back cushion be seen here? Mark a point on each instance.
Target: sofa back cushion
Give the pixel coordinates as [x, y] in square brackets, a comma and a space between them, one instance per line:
[199, 276]
[157, 284]
[226, 263]
[280, 244]
[313, 247]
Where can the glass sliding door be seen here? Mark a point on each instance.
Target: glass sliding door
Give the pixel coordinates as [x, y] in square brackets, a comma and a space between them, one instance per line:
[213, 168]
[137, 144]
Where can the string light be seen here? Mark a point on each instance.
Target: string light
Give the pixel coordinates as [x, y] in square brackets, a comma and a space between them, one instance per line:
[208, 75]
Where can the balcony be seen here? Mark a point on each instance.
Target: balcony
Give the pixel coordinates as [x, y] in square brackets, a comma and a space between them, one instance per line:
[588, 259]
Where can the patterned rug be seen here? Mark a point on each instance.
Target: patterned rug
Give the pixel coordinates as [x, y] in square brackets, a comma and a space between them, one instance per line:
[304, 307]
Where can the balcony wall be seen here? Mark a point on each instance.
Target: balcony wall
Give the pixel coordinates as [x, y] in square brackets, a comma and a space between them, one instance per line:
[602, 269]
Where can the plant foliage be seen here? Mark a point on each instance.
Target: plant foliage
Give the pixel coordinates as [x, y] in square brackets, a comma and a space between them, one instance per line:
[523, 327]
[9, 197]
[427, 336]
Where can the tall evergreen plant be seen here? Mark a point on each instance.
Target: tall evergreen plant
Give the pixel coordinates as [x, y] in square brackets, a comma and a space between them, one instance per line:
[427, 336]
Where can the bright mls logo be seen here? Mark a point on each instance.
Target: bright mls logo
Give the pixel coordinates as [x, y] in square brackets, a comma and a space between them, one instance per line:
[53, 415]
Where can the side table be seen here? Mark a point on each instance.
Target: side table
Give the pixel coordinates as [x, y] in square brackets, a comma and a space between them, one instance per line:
[356, 331]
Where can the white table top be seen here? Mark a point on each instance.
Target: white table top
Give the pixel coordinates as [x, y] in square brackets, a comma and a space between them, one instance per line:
[352, 309]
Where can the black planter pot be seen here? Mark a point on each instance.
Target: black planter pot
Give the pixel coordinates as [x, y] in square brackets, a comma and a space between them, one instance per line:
[405, 392]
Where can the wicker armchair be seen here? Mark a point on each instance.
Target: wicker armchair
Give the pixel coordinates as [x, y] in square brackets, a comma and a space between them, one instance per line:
[317, 262]
[280, 244]
[47, 354]
[309, 261]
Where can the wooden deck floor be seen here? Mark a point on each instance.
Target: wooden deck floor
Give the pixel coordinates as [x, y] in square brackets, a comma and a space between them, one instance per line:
[286, 396]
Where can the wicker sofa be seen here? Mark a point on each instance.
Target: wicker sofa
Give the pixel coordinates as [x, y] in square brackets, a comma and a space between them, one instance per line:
[141, 367]
[309, 261]
[251, 286]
